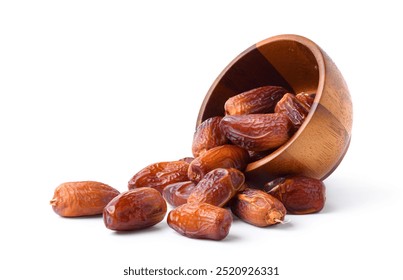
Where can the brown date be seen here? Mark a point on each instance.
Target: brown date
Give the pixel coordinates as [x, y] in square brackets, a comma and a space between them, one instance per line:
[200, 220]
[293, 109]
[254, 101]
[159, 175]
[218, 186]
[257, 132]
[208, 135]
[187, 159]
[299, 194]
[258, 208]
[273, 183]
[84, 198]
[225, 156]
[135, 209]
[177, 193]
[306, 99]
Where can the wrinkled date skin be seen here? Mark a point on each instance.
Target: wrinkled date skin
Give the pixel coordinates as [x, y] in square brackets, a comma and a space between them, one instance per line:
[208, 135]
[293, 109]
[84, 198]
[225, 156]
[257, 132]
[306, 99]
[218, 186]
[258, 208]
[159, 175]
[135, 209]
[299, 194]
[254, 101]
[177, 194]
[187, 159]
[201, 221]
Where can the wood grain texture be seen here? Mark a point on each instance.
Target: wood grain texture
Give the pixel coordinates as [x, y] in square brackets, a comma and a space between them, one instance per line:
[298, 64]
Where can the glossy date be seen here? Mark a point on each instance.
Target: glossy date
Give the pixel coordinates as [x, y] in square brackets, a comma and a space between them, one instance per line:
[225, 156]
[218, 186]
[208, 135]
[257, 132]
[159, 175]
[293, 109]
[200, 221]
[255, 101]
[258, 208]
[177, 194]
[82, 198]
[299, 194]
[135, 209]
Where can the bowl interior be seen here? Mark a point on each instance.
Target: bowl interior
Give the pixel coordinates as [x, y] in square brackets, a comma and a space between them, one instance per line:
[287, 62]
[290, 61]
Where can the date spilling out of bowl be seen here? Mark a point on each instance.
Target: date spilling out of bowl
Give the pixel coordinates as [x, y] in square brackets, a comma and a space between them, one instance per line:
[204, 189]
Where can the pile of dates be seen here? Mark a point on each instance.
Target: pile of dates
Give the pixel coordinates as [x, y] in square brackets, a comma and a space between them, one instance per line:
[206, 190]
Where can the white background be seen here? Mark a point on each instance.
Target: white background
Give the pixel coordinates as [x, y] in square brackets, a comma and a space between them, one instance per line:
[96, 90]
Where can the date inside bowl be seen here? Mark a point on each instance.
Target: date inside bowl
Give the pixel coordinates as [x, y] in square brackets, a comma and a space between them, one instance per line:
[298, 65]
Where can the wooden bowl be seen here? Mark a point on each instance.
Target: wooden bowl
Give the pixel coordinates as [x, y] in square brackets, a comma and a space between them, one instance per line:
[299, 65]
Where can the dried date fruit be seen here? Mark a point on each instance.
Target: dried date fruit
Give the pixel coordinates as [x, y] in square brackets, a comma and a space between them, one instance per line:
[299, 194]
[200, 220]
[187, 159]
[83, 198]
[135, 209]
[293, 109]
[306, 99]
[225, 156]
[177, 193]
[218, 186]
[254, 101]
[257, 132]
[258, 208]
[273, 183]
[159, 175]
[208, 135]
